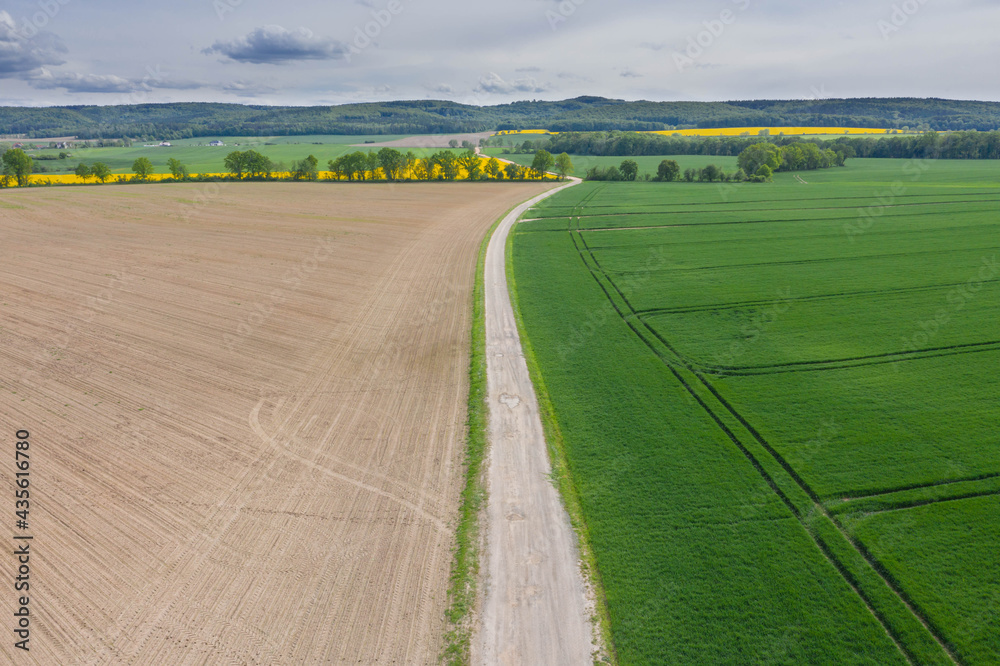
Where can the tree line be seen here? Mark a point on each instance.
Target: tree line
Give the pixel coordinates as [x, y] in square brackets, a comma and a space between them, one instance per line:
[757, 164]
[930, 145]
[388, 164]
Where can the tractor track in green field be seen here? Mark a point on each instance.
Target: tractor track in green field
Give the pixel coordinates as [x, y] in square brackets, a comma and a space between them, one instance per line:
[869, 198]
[844, 363]
[918, 486]
[806, 511]
[803, 262]
[772, 210]
[817, 297]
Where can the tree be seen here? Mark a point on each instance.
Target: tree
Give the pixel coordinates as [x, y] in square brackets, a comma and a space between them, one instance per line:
[542, 163]
[351, 165]
[564, 166]
[512, 170]
[453, 143]
[143, 168]
[690, 175]
[238, 163]
[392, 162]
[764, 172]
[307, 169]
[177, 170]
[629, 169]
[668, 170]
[101, 171]
[410, 160]
[336, 168]
[372, 165]
[493, 169]
[18, 165]
[448, 163]
[760, 153]
[258, 165]
[711, 173]
[470, 161]
[423, 169]
[83, 172]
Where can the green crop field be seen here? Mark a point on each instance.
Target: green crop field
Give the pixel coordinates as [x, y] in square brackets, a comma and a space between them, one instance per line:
[777, 405]
[199, 157]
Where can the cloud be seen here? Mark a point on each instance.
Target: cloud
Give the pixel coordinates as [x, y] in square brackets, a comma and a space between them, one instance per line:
[23, 51]
[74, 82]
[88, 83]
[494, 84]
[629, 74]
[442, 88]
[244, 88]
[273, 45]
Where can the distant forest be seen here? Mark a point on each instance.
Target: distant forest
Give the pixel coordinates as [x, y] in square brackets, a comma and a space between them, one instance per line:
[582, 114]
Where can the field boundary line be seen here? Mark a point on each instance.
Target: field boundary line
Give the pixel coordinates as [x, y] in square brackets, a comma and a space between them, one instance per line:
[463, 587]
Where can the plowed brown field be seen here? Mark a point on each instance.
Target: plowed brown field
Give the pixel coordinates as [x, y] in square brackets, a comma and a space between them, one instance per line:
[246, 405]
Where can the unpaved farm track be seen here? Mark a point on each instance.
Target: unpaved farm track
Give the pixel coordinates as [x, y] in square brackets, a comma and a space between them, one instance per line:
[535, 609]
[246, 413]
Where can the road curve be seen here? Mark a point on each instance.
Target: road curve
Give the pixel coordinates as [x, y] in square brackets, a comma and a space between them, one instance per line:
[535, 608]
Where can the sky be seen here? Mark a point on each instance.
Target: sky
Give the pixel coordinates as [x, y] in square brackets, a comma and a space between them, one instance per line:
[308, 52]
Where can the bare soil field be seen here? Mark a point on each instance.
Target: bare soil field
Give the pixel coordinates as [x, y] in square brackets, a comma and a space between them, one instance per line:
[246, 405]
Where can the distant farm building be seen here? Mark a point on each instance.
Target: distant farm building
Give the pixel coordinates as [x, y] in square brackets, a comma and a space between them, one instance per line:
[217, 143]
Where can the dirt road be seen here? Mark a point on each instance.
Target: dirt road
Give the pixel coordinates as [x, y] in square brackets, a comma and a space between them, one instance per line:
[535, 608]
[247, 409]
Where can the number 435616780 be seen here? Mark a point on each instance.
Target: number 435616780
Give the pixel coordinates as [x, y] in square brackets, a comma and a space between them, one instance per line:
[22, 463]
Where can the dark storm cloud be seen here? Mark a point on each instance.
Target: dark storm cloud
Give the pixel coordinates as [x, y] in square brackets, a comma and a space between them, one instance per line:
[273, 44]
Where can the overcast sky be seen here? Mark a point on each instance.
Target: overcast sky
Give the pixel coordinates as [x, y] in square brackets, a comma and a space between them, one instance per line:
[302, 52]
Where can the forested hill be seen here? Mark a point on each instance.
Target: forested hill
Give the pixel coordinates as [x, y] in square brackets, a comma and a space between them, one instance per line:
[174, 121]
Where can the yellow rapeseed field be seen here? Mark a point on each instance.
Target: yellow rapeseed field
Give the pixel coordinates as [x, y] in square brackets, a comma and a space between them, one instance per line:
[739, 131]
[774, 131]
